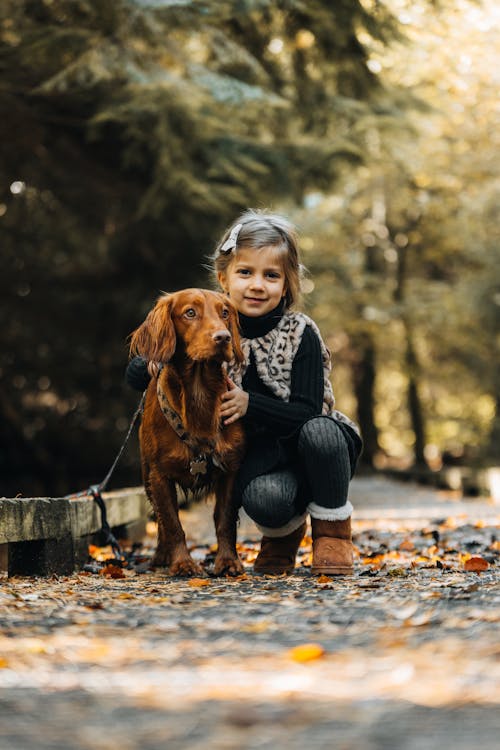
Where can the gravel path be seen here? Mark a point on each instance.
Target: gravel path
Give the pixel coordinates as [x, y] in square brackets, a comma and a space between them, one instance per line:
[404, 655]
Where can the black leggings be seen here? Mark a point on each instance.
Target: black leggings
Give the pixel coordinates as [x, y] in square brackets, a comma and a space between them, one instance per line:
[318, 483]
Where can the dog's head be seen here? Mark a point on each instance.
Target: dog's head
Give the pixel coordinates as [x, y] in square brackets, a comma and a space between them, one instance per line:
[196, 323]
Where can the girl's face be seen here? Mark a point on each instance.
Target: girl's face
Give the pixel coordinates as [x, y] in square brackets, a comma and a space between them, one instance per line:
[255, 281]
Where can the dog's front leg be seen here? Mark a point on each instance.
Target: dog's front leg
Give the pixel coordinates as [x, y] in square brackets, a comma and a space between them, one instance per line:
[171, 534]
[225, 518]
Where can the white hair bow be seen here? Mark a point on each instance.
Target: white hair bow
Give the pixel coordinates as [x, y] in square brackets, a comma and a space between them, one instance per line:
[232, 240]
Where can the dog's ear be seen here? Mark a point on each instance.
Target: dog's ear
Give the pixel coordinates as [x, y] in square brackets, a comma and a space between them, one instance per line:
[234, 330]
[155, 339]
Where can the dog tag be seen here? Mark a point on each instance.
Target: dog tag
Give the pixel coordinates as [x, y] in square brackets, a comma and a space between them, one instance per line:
[198, 466]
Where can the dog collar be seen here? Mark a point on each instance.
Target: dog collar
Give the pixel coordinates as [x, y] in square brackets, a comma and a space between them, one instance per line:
[203, 450]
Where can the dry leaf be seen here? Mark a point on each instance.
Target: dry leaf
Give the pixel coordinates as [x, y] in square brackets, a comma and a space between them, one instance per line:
[257, 627]
[112, 571]
[476, 564]
[306, 652]
[101, 554]
[395, 572]
[407, 544]
[324, 579]
[198, 583]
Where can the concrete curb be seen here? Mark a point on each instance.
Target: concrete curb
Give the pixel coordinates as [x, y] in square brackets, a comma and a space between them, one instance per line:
[45, 536]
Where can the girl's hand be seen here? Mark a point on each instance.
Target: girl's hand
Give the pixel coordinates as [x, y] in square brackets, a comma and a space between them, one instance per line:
[234, 403]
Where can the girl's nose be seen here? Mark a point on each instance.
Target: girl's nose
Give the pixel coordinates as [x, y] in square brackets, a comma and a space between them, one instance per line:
[256, 282]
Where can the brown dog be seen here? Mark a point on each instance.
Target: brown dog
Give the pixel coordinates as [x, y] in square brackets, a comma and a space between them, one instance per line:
[190, 334]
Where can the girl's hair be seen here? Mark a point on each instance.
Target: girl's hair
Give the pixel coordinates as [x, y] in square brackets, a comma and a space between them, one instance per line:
[258, 229]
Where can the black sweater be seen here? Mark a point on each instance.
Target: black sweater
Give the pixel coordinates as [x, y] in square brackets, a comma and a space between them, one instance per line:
[306, 396]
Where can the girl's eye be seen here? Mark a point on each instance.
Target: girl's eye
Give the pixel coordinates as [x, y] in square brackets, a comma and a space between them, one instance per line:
[273, 275]
[243, 271]
[225, 313]
[191, 313]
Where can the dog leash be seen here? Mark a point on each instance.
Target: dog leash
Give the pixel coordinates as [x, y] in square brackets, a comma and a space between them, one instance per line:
[95, 490]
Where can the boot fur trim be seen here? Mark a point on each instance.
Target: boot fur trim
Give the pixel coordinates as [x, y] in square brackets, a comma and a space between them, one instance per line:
[330, 514]
[292, 525]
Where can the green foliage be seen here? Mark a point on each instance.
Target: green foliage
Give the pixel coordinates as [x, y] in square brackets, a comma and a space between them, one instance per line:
[131, 133]
[413, 236]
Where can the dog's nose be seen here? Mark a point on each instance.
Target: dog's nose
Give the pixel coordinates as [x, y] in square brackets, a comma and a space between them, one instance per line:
[221, 337]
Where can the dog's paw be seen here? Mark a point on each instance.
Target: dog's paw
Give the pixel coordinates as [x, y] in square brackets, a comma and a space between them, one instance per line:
[228, 565]
[160, 560]
[186, 566]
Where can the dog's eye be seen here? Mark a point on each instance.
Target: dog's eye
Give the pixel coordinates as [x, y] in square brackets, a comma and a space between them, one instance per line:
[225, 313]
[191, 313]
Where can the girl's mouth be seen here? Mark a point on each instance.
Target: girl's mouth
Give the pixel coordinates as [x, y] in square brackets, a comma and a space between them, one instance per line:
[255, 299]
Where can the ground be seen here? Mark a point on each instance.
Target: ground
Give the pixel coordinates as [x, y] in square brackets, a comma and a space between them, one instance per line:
[403, 655]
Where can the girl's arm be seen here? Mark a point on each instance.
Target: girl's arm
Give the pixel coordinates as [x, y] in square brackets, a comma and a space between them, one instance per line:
[306, 397]
[137, 375]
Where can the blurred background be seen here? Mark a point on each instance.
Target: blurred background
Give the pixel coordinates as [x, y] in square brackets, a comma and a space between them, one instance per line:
[133, 131]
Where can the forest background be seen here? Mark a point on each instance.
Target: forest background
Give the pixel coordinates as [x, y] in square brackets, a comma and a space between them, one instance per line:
[133, 131]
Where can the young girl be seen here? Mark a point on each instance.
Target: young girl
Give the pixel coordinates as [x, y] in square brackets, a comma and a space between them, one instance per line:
[301, 452]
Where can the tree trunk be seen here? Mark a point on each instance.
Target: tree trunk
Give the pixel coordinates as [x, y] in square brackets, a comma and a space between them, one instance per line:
[363, 371]
[492, 452]
[414, 402]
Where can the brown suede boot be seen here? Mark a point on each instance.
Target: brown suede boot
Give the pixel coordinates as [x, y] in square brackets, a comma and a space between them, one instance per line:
[332, 547]
[277, 554]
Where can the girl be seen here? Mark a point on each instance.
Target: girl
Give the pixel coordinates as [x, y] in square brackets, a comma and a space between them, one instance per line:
[301, 452]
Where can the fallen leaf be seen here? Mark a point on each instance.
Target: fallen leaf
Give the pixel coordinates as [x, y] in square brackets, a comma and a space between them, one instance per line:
[407, 544]
[101, 554]
[476, 564]
[92, 605]
[112, 571]
[405, 611]
[257, 627]
[306, 652]
[324, 579]
[395, 572]
[198, 583]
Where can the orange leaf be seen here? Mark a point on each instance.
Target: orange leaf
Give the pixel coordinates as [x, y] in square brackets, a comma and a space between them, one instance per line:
[306, 652]
[101, 554]
[476, 564]
[407, 544]
[306, 542]
[112, 571]
[324, 579]
[198, 583]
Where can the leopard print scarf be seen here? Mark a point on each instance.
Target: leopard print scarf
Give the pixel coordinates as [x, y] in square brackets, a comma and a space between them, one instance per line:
[274, 354]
